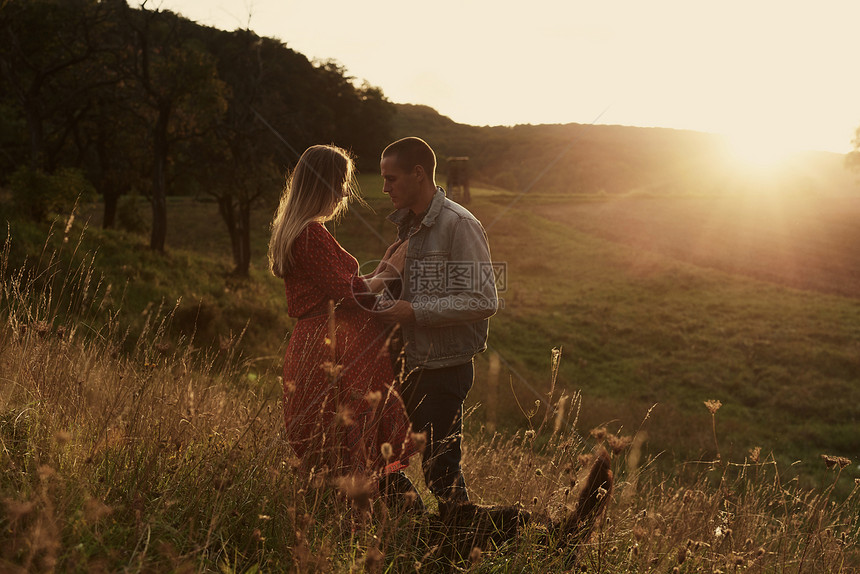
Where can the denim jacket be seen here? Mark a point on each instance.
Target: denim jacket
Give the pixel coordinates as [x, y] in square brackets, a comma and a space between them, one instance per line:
[448, 277]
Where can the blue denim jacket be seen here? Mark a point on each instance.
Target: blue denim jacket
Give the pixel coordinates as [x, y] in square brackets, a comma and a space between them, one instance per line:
[448, 277]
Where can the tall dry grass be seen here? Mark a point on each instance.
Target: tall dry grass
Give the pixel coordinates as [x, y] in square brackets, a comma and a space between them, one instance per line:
[170, 459]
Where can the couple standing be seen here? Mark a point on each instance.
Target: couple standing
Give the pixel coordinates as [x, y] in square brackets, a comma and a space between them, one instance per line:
[431, 294]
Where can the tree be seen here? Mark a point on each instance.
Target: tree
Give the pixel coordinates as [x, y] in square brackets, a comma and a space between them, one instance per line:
[45, 47]
[180, 92]
[270, 119]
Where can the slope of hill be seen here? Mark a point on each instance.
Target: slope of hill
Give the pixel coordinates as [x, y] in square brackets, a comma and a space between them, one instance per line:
[589, 159]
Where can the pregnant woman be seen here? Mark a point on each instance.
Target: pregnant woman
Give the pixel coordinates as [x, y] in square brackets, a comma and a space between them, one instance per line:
[340, 406]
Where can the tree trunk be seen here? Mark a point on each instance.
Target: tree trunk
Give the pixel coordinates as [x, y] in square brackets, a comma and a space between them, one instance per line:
[111, 197]
[36, 133]
[107, 183]
[243, 259]
[239, 230]
[159, 179]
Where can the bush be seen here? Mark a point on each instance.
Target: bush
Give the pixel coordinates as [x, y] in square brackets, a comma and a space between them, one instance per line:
[39, 195]
[128, 215]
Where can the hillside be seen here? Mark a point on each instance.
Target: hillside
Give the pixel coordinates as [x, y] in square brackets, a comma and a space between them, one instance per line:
[125, 421]
[639, 326]
[589, 159]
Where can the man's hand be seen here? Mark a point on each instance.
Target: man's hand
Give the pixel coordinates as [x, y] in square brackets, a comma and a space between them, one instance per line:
[397, 312]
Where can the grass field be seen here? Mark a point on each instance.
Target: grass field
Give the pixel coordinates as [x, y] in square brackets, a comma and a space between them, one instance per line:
[141, 439]
[642, 327]
[807, 242]
[655, 302]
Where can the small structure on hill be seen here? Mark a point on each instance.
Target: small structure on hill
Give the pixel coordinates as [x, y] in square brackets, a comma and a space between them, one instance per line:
[458, 180]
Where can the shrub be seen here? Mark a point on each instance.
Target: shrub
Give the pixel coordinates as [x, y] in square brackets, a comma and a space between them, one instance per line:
[128, 215]
[39, 195]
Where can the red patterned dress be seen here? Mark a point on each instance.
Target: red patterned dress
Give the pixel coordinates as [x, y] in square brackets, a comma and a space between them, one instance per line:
[339, 406]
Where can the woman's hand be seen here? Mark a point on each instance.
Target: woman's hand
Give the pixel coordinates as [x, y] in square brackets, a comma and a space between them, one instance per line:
[390, 267]
[397, 259]
[392, 248]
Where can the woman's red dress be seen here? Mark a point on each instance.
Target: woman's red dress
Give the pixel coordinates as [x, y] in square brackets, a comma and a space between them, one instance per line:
[338, 414]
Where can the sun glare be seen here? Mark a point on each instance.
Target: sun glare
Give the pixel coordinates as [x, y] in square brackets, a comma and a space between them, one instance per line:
[760, 153]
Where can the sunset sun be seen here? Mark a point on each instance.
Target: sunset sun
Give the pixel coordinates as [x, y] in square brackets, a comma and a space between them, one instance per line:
[760, 152]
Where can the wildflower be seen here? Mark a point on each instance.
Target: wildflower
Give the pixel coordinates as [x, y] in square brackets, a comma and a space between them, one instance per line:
[530, 434]
[713, 406]
[538, 472]
[598, 433]
[386, 450]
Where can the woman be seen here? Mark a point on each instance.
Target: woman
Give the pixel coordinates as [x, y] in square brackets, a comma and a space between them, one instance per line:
[339, 405]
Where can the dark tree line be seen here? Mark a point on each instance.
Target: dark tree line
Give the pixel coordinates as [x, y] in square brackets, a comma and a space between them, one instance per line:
[145, 100]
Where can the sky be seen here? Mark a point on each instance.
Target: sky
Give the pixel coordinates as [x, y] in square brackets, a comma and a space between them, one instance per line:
[774, 76]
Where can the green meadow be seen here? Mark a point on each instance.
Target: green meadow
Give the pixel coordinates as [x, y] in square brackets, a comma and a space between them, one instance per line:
[647, 339]
[140, 408]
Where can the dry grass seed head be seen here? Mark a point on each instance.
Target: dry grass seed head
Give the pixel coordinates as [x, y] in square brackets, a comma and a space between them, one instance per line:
[373, 559]
[358, 489]
[833, 461]
[755, 453]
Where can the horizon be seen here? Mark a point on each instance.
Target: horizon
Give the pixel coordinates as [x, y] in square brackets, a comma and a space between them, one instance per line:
[768, 76]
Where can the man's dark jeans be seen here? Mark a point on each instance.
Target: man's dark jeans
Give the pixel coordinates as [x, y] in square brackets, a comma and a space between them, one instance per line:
[434, 401]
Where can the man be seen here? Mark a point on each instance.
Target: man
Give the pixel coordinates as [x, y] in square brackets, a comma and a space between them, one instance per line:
[447, 295]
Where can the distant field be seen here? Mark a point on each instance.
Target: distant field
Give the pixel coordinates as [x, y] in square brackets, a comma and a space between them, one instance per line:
[803, 242]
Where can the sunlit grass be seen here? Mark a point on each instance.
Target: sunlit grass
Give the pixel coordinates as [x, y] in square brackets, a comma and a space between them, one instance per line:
[142, 451]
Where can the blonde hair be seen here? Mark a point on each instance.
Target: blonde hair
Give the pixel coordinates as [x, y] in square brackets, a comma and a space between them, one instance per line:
[319, 189]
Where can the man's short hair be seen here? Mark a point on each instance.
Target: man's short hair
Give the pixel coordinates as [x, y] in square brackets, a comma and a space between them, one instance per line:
[412, 151]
